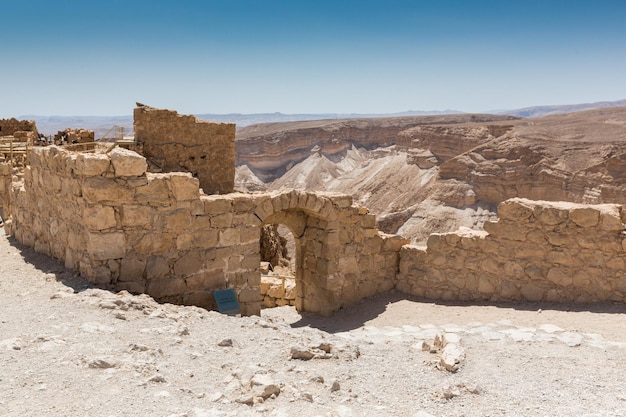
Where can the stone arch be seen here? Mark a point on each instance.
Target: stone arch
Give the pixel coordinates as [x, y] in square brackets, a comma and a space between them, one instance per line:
[313, 221]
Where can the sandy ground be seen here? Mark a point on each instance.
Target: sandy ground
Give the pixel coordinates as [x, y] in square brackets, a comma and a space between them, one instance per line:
[67, 349]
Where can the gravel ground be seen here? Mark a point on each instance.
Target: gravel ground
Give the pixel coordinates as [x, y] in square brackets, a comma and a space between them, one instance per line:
[67, 349]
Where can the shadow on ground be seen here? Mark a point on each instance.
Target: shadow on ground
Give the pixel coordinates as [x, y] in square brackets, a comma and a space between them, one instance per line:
[49, 265]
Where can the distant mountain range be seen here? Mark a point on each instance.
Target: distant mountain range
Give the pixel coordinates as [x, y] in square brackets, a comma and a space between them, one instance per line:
[102, 124]
[540, 111]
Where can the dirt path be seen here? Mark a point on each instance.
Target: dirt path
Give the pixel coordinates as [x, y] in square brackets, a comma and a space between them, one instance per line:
[68, 349]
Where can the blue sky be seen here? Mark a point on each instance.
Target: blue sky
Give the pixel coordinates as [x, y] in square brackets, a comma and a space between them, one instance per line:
[65, 57]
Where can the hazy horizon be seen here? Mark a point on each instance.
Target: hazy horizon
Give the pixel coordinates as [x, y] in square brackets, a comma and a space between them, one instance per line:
[349, 57]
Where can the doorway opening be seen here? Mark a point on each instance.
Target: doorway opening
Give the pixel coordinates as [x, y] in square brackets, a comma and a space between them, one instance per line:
[278, 266]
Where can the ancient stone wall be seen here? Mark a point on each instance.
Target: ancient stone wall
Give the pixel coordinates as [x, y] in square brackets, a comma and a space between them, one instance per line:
[5, 189]
[74, 136]
[127, 229]
[537, 250]
[124, 228]
[8, 127]
[341, 257]
[182, 143]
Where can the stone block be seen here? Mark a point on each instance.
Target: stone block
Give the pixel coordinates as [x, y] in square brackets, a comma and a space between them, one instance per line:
[156, 192]
[99, 217]
[611, 221]
[133, 215]
[177, 220]
[157, 267]
[585, 216]
[101, 190]
[550, 216]
[91, 165]
[132, 268]
[228, 237]
[189, 263]
[206, 280]
[514, 210]
[559, 276]
[185, 187]
[222, 221]
[104, 246]
[150, 243]
[247, 295]
[127, 163]
[159, 288]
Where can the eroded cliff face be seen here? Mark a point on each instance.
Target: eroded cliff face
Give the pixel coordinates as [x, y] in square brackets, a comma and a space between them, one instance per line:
[271, 149]
[439, 176]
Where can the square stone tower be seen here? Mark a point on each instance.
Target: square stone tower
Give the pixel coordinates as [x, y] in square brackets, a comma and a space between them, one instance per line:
[183, 143]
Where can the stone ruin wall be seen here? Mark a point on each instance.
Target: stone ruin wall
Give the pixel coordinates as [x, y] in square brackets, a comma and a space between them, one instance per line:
[74, 136]
[536, 251]
[127, 229]
[182, 143]
[8, 127]
[6, 178]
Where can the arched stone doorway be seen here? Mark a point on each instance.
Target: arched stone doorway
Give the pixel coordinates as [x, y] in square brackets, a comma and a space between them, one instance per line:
[341, 257]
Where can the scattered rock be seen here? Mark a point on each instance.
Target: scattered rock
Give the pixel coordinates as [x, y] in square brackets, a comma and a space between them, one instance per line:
[101, 363]
[157, 378]
[299, 352]
[335, 387]
[451, 357]
[226, 343]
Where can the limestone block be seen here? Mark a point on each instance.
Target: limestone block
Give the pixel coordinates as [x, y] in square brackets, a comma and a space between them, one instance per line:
[532, 292]
[179, 220]
[132, 268]
[247, 295]
[157, 267]
[222, 221]
[549, 215]
[611, 221]
[535, 272]
[188, 264]
[159, 288]
[134, 215]
[514, 210]
[127, 163]
[206, 280]
[103, 246]
[560, 276]
[99, 217]
[368, 221]
[585, 216]
[156, 192]
[150, 243]
[96, 274]
[617, 264]
[243, 203]
[228, 237]
[101, 190]
[90, 165]
[185, 187]
[196, 208]
[251, 309]
[436, 243]
[559, 239]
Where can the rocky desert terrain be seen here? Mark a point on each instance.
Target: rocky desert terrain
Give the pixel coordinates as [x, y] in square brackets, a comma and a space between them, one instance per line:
[436, 173]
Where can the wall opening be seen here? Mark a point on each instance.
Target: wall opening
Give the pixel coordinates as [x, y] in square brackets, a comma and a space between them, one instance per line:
[278, 266]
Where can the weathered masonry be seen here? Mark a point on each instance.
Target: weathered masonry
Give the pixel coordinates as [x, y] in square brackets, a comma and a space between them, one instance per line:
[536, 251]
[124, 227]
[156, 233]
[182, 143]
